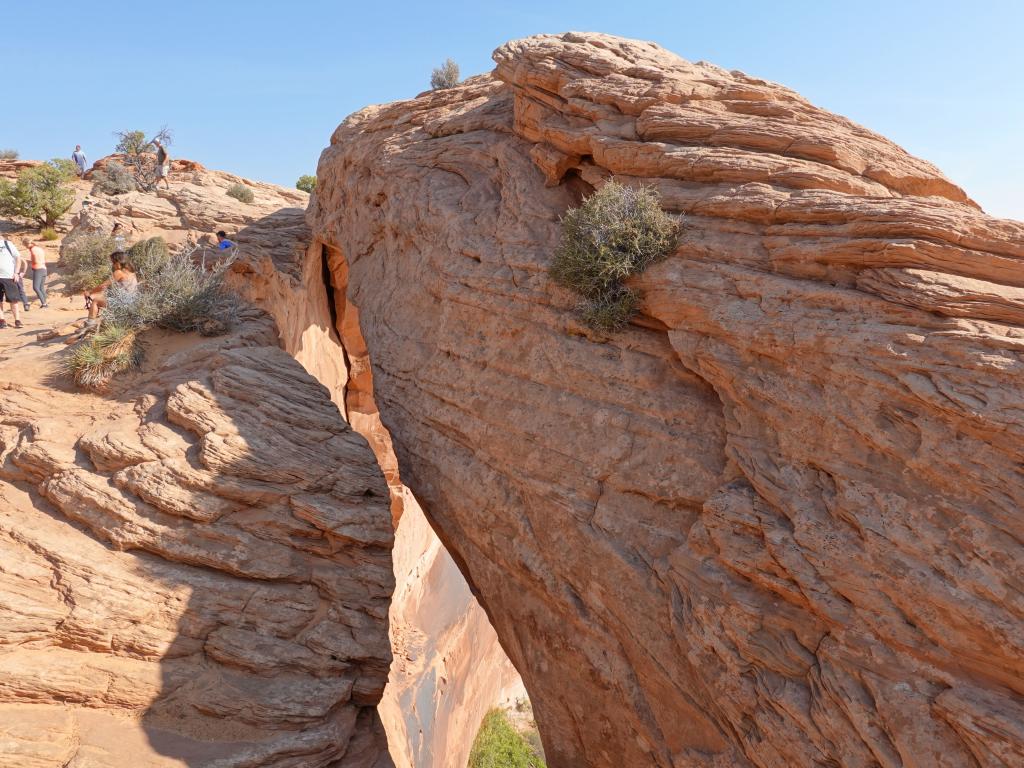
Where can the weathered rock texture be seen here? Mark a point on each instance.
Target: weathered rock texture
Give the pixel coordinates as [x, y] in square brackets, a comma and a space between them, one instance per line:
[449, 668]
[774, 523]
[195, 567]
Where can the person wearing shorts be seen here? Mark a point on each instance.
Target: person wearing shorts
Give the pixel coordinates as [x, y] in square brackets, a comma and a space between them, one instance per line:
[11, 264]
[163, 164]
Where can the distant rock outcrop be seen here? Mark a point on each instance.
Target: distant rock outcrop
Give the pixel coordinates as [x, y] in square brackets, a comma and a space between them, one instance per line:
[777, 521]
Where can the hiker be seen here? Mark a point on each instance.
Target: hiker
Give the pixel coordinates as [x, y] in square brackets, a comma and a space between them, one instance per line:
[123, 275]
[163, 164]
[117, 233]
[78, 157]
[11, 264]
[37, 263]
[222, 241]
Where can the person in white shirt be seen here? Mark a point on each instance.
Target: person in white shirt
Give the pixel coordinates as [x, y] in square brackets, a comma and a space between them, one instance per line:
[11, 265]
[79, 159]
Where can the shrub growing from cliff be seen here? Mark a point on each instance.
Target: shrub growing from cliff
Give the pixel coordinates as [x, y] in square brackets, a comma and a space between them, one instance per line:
[499, 745]
[445, 76]
[306, 183]
[241, 192]
[617, 232]
[114, 179]
[41, 195]
[85, 262]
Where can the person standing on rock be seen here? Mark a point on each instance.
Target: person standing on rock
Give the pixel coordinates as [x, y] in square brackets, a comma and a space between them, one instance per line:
[11, 264]
[37, 263]
[78, 157]
[163, 164]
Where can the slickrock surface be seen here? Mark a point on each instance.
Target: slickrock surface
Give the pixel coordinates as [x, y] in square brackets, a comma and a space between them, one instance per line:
[449, 668]
[777, 521]
[195, 566]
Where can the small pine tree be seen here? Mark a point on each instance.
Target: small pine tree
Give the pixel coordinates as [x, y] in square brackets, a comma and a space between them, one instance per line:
[306, 183]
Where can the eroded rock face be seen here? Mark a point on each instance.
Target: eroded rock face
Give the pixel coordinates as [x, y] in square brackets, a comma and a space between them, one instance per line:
[450, 668]
[774, 523]
[196, 567]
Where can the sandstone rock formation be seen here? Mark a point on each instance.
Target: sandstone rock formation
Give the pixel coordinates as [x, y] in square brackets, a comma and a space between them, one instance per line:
[774, 523]
[196, 567]
[450, 668]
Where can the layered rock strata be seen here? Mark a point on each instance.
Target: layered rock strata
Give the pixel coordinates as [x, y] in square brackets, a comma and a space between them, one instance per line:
[776, 521]
[196, 567]
[449, 668]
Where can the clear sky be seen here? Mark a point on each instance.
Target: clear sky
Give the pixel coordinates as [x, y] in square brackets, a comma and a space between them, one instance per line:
[257, 87]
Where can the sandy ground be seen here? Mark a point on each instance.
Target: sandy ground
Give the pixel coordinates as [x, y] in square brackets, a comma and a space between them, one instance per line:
[26, 360]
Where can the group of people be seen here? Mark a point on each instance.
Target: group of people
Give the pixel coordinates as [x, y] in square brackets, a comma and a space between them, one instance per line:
[163, 162]
[13, 268]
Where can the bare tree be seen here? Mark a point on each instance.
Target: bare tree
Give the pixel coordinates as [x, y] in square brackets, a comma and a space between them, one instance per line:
[139, 154]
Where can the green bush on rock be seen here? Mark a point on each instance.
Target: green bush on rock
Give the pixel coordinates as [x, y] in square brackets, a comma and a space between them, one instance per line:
[85, 262]
[241, 192]
[41, 194]
[617, 232]
[499, 745]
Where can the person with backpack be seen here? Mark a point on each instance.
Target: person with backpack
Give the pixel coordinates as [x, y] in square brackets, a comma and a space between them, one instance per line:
[163, 164]
[11, 265]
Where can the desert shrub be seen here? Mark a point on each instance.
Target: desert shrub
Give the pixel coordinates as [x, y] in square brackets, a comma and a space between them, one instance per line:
[180, 296]
[138, 155]
[111, 350]
[114, 179]
[48, 233]
[41, 194]
[617, 232]
[8, 154]
[499, 745]
[241, 192]
[445, 76]
[85, 262]
[148, 257]
[306, 183]
[609, 311]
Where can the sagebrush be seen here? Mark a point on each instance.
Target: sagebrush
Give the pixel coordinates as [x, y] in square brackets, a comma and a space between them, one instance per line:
[499, 745]
[8, 154]
[180, 295]
[445, 76]
[241, 192]
[111, 350]
[148, 257]
[48, 233]
[306, 183]
[85, 262]
[41, 194]
[617, 232]
[114, 179]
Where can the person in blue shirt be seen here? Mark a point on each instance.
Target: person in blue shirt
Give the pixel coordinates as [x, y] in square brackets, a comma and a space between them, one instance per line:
[222, 241]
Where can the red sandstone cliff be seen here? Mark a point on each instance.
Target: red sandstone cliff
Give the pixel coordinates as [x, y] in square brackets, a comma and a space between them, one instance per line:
[776, 522]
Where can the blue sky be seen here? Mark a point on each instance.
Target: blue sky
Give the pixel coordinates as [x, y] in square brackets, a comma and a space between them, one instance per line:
[257, 88]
